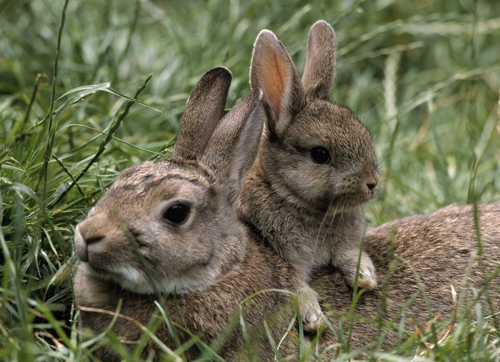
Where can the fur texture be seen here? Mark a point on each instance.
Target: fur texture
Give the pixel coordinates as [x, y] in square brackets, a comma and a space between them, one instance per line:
[422, 255]
[420, 258]
[211, 314]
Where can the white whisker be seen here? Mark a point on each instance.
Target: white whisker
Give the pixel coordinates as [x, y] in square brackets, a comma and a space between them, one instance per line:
[321, 226]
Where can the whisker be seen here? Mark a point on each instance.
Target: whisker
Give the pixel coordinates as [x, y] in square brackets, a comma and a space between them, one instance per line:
[319, 231]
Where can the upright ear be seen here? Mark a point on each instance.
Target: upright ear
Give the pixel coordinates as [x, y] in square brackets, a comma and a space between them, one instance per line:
[273, 71]
[231, 151]
[204, 109]
[320, 61]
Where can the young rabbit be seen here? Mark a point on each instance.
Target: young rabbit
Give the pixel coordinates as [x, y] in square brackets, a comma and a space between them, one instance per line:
[315, 168]
[167, 230]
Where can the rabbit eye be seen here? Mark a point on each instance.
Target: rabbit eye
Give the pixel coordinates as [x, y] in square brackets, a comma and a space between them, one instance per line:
[320, 155]
[177, 213]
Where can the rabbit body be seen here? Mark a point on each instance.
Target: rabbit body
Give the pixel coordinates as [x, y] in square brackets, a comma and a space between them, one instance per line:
[210, 314]
[315, 168]
[418, 259]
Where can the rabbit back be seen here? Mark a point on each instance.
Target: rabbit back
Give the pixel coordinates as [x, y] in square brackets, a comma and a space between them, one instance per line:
[418, 260]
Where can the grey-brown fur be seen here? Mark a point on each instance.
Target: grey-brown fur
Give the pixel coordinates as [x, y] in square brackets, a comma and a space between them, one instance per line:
[310, 213]
[436, 247]
[422, 253]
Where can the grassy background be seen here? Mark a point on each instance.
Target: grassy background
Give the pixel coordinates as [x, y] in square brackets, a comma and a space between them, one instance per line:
[424, 76]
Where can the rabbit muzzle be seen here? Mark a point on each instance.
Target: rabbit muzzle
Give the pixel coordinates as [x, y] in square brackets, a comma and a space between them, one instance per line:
[92, 235]
[353, 190]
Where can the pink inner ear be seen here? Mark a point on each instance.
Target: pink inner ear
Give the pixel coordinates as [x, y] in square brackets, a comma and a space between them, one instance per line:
[274, 75]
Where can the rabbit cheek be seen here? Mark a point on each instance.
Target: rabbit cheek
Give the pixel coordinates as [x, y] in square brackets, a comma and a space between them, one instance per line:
[187, 277]
[132, 279]
[308, 186]
[181, 262]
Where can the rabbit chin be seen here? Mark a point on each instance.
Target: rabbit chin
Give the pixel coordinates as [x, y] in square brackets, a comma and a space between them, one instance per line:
[137, 281]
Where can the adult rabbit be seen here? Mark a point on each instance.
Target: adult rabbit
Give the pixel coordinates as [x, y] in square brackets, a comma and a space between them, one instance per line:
[167, 232]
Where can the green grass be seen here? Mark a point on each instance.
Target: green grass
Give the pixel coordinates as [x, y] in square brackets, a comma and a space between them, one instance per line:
[424, 76]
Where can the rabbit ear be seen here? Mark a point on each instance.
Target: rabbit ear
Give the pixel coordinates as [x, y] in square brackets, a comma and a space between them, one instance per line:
[204, 109]
[273, 71]
[320, 66]
[231, 151]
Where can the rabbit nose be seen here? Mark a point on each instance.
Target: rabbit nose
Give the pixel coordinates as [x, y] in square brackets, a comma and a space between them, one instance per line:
[93, 229]
[372, 182]
[90, 231]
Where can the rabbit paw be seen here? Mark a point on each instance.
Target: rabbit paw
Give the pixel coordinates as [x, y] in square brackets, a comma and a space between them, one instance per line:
[367, 278]
[310, 311]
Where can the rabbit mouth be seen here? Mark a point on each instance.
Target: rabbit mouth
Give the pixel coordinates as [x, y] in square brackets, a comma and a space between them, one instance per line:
[340, 203]
[126, 277]
[95, 272]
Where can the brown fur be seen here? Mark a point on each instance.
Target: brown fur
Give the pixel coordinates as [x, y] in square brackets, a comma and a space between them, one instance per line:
[310, 213]
[209, 313]
[437, 247]
[416, 256]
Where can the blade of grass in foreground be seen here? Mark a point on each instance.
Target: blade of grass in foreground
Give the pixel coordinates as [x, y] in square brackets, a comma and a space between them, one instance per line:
[109, 136]
[51, 128]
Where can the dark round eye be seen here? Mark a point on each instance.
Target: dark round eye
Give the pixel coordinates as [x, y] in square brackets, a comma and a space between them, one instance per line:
[177, 213]
[320, 155]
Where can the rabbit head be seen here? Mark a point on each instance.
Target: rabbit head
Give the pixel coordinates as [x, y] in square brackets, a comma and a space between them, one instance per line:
[170, 225]
[314, 152]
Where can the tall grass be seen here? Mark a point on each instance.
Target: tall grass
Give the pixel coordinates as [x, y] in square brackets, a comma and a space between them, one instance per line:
[77, 106]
